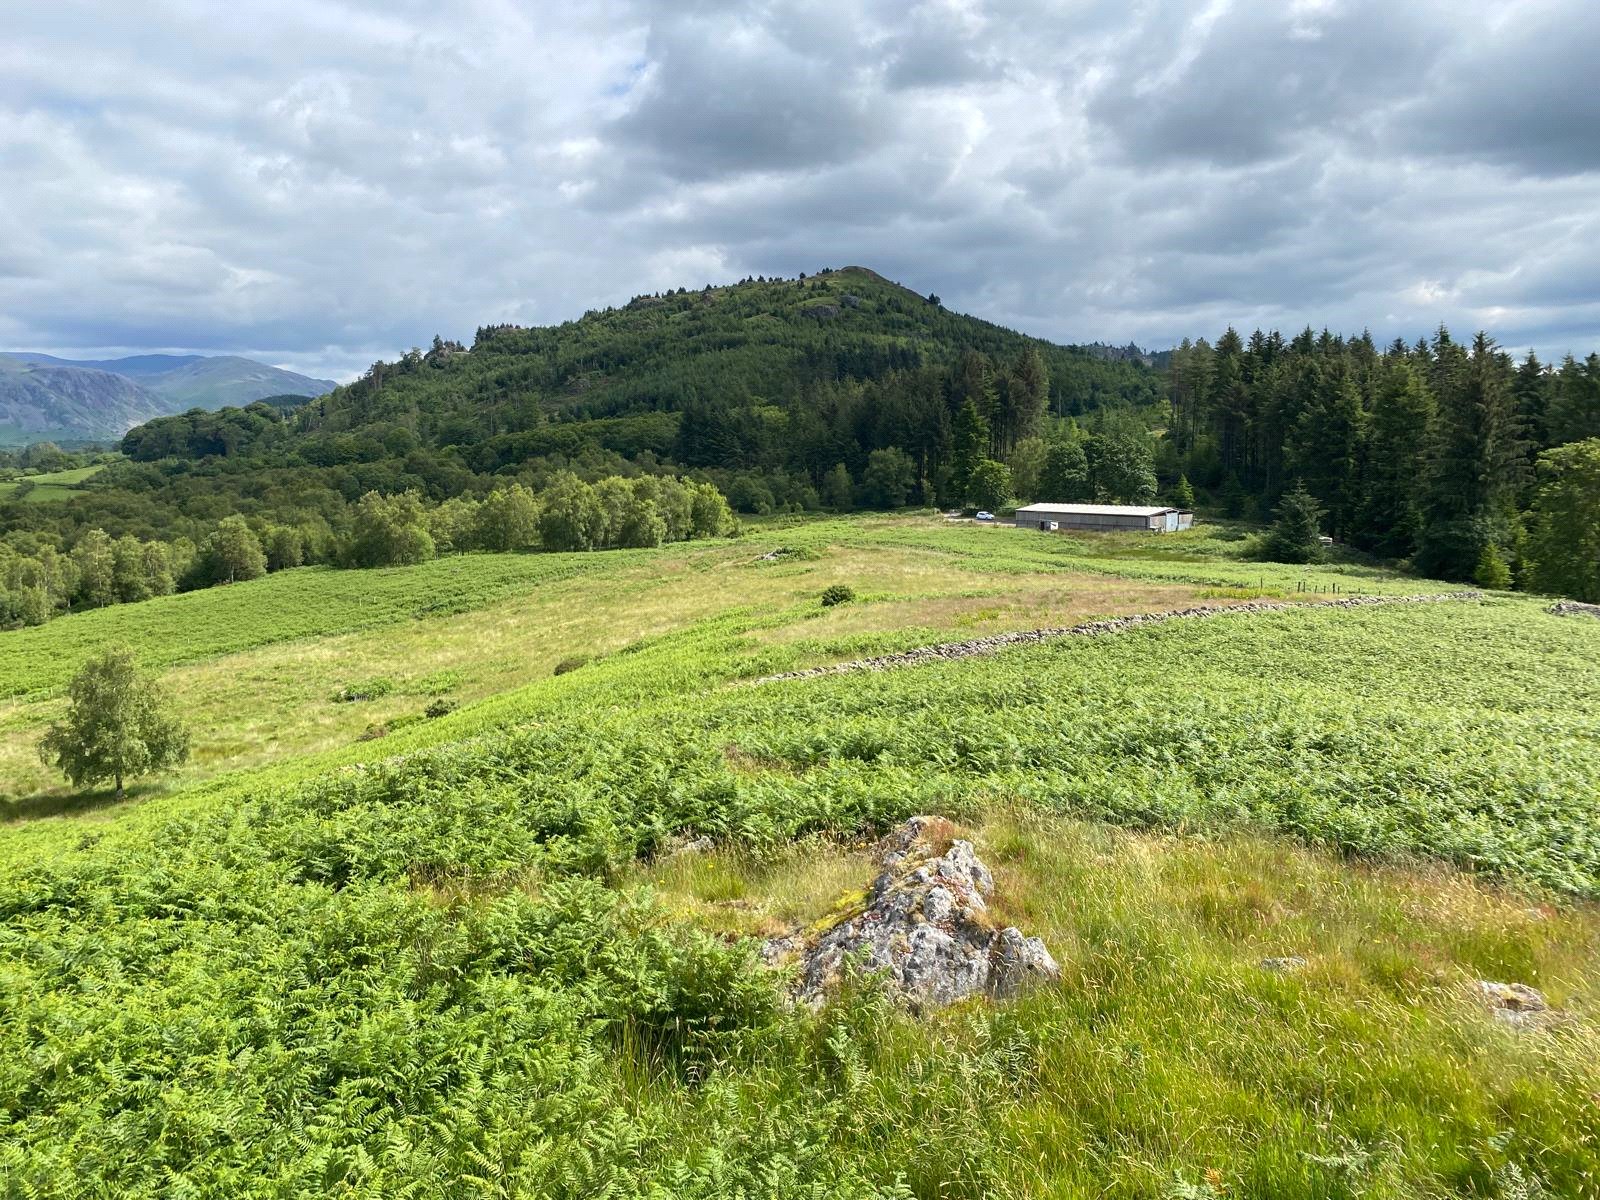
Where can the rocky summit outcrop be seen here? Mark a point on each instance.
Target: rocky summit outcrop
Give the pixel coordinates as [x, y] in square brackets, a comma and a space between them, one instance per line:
[925, 928]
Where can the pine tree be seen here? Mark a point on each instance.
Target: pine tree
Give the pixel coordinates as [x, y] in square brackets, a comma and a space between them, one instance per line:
[1473, 472]
[1296, 534]
[969, 447]
[1390, 519]
[1182, 493]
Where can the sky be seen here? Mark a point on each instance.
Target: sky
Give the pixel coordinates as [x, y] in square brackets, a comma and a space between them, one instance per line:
[324, 183]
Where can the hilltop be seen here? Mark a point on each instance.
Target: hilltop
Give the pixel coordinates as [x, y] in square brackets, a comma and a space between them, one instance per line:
[741, 365]
[778, 391]
[45, 398]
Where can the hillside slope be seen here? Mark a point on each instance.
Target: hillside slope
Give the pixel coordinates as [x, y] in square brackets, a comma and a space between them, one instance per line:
[68, 403]
[396, 952]
[45, 398]
[751, 348]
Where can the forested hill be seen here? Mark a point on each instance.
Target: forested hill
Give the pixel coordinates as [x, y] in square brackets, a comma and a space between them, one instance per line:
[769, 375]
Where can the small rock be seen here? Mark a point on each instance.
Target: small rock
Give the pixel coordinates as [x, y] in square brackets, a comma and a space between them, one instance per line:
[1017, 962]
[1287, 964]
[1516, 1004]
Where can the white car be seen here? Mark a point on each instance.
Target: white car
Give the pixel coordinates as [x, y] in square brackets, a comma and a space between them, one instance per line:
[985, 516]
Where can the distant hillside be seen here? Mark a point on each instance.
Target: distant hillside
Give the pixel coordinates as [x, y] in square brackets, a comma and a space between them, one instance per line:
[68, 404]
[750, 358]
[43, 397]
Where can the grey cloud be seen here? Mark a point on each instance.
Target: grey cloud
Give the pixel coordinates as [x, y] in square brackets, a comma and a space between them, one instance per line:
[1524, 95]
[323, 183]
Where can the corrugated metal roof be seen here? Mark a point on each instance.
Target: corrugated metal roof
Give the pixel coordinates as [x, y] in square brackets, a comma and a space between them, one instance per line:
[1095, 510]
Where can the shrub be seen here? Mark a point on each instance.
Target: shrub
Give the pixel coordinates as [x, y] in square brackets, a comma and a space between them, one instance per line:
[439, 708]
[569, 664]
[837, 593]
[370, 689]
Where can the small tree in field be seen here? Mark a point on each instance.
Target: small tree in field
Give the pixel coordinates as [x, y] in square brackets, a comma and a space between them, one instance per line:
[1296, 535]
[117, 726]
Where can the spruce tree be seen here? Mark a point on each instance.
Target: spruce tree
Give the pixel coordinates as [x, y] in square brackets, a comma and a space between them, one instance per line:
[1296, 534]
[1492, 571]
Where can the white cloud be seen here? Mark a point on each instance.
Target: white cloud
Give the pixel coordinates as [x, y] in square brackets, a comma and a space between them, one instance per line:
[324, 182]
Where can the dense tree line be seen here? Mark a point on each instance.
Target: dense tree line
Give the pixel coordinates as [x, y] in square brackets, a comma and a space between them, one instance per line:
[40, 579]
[1441, 453]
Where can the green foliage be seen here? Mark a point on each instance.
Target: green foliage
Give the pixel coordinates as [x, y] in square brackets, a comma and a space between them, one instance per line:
[1492, 571]
[508, 519]
[990, 485]
[1565, 543]
[235, 552]
[1065, 476]
[389, 531]
[116, 726]
[1296, 532]
[441, 964]
[1121, 467]
[837, 593]
[890, 478]
[1183, 493]
[836, 491]
[367, 689]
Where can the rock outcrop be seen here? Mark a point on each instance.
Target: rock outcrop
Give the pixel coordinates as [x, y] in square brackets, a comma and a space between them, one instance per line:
[925, 928]
[1574, 608]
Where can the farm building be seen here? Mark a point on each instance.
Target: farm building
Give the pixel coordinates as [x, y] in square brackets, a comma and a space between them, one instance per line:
[1104, 518]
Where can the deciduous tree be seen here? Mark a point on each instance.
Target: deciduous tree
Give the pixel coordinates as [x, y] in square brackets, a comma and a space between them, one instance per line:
[117, 725]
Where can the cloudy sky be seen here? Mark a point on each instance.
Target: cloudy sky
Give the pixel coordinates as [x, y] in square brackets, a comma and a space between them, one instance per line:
[321, 183]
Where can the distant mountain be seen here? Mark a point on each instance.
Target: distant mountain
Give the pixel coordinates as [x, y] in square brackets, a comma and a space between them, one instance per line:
[43, 397]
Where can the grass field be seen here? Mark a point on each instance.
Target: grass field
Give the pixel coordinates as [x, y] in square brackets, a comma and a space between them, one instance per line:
[51, 485]
[462, 959]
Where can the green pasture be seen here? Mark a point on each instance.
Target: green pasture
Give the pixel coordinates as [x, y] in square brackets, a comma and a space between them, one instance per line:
[50, 485]
[366, 953]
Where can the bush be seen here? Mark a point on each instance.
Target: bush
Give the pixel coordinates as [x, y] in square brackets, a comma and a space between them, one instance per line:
[569, 664]
[369, 689]
[837, 594]
[439, 708]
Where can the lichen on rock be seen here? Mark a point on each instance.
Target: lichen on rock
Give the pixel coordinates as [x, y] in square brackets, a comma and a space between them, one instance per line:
[925, 928]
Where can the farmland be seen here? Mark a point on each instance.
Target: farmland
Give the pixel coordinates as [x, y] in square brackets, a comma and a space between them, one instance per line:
[463, 956]
[47, 486]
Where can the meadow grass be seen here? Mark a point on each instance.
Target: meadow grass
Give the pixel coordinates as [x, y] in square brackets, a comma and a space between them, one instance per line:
[50, 485]
[256, 666]
[465, 958]
[1168, 1055]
